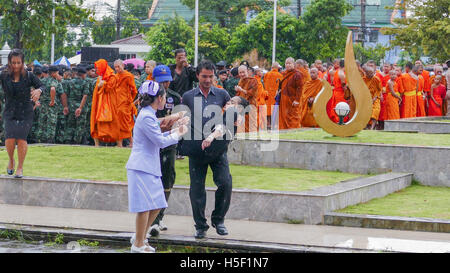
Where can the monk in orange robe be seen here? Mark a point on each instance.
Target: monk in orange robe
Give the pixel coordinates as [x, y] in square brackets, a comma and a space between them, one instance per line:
[410, 84]
[263, 96]
[272, 80]
[393, 98]
[420, 93]
[248, 89]
[126, 110]
[384, 78]
[438, 94]
[426, 77]
[320, 69]
[339, 86]
[310, 91]
[291, 92]
[302, 66]
[438, 70]
[104, 123]
[374, 85]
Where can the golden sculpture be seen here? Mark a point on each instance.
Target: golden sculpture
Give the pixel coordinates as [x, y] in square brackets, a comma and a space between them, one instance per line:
[360, 92]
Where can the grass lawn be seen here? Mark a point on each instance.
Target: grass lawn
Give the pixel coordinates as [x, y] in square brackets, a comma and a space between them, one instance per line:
[108, 164]
[414, 201]
[367, 136]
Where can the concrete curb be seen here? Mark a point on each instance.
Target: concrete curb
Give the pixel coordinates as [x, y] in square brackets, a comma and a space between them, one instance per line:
[387, 222]
[123, 239]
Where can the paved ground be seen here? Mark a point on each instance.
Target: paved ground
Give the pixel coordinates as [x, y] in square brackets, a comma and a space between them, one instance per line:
[343, 238]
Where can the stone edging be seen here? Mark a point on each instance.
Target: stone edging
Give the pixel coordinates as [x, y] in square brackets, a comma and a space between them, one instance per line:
[387, 222]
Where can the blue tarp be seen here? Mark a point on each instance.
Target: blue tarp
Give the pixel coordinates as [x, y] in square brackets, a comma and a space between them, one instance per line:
[36, 63]
[63, 60]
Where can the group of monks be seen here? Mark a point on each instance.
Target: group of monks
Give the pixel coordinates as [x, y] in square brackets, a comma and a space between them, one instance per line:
[284, 100]
[113, 108]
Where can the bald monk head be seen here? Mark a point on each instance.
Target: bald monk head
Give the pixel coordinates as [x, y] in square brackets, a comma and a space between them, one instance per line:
[438, 70]
[318, 64]
[393, 75]
[314, 72]
[118, 66]
[418, 62]
[415, 70]
[437, 80]
[275, 65]
[336, 63]
[149, 66]
[398, 70]
[372, 64]
[289, 64]
[386, 68]
[369, 71]
[301, 64]
[243, 71]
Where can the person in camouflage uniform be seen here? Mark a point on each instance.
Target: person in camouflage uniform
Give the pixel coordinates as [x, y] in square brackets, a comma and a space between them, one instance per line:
[231, 83]
[48, 115]
[32, 136]
[65, 81]
[76, 119]
[92, 81]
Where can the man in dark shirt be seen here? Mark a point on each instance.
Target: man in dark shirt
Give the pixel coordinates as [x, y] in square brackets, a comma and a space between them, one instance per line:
[205, 104]
[183, 74]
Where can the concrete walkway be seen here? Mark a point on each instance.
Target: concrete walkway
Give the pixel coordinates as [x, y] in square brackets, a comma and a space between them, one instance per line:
[331, 237]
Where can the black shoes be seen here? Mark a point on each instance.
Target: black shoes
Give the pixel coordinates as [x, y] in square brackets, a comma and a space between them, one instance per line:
[200, 233]
[220, 229]
[10, 172]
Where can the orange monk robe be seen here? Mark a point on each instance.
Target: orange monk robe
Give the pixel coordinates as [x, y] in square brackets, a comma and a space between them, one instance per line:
[305, 74]
[261, 103]
[126, 92]
[409, 109]
[271, 83]
[291, 90]
[392, 103]
[321, 75]
[444, 82]
[104, 123]
[338, 96]
[149, 77]
[310, 90]
[420, 101]
[250, 84]
[374, 85]
[384, 79]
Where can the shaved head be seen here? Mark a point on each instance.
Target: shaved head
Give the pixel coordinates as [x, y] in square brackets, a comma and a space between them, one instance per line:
[243, 71]
[275, 65]
[314, 72]
[118, 66]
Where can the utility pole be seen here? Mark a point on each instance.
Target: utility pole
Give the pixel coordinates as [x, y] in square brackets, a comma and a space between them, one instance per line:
[299, 5]
[118, 21]
[196, 34]
[363, 21]
[52, 51]
[274, 45]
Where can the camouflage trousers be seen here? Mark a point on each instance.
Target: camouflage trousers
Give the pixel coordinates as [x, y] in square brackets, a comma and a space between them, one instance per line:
[60, 126]
[75, 128]
[48, 117]
[32, 136]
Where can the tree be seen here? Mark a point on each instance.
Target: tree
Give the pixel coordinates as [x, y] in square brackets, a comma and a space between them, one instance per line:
[213, 41]
[322, 35]
[104, 31]
[166, 36]
[258, 34]
[137, 8]
[427, 29]
[231, 13]
[131, 26]
[29, 23]
[364, 54]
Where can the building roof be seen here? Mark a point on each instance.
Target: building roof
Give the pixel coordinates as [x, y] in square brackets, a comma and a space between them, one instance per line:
[376, 16]
[132, 40]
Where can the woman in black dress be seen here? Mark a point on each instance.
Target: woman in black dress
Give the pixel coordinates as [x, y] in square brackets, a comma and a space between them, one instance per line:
[18, 113]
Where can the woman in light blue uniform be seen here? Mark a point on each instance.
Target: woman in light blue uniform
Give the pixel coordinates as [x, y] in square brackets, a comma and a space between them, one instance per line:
[145, 189]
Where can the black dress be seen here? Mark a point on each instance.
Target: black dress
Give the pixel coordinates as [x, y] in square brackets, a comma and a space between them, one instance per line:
[18, 114]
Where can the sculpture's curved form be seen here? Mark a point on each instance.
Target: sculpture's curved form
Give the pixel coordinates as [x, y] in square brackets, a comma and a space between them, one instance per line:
[360, 92]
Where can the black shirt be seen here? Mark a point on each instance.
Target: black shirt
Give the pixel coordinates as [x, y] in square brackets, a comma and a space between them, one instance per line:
[18, 103]
[183, 82]
[210, 107]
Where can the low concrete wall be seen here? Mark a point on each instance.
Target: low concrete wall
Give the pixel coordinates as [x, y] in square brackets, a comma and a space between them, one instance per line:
[430, 165]
[304, 207]
[429, 125]
[387, 222]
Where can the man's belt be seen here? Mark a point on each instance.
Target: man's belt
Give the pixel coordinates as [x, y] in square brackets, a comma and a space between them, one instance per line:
[398, 94]
[419, 93]
[410, 93]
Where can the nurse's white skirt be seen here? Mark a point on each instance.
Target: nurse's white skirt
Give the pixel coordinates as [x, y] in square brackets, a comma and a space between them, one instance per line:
[145, 192]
